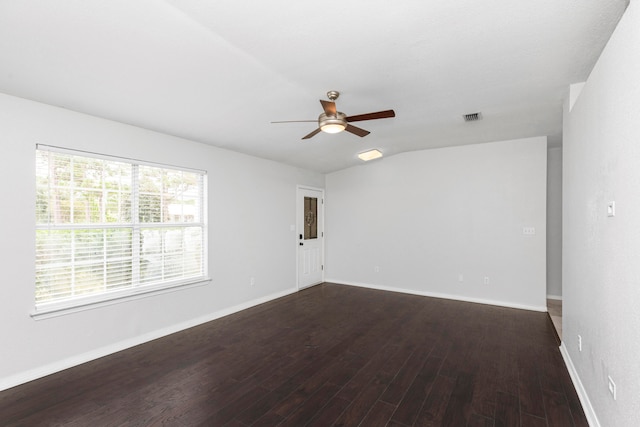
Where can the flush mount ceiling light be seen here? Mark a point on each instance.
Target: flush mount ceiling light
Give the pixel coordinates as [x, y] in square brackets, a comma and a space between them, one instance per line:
[370, 155]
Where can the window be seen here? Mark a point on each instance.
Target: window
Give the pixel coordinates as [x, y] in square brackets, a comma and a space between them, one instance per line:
[108, 228]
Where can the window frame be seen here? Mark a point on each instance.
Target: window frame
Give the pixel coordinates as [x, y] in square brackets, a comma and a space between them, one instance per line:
[133, 290]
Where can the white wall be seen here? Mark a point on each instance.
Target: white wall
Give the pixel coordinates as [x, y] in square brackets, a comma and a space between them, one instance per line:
[601, 264]
[252, 203]
[554, 222]
[425, 217]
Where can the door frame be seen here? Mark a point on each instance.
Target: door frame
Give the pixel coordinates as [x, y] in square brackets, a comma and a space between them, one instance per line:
[299, 189]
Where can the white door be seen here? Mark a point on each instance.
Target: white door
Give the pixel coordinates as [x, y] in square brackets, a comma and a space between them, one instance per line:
[310, 236]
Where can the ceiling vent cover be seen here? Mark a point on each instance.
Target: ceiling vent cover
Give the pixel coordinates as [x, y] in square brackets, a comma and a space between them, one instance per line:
[473, 117]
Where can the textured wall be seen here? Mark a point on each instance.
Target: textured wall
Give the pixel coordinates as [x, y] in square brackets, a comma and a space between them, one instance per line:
[554, 222]
[252, 204]
[601, 271]
[418, 221]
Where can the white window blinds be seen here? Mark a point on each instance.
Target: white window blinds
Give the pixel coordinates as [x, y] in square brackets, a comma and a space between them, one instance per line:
[109, 226]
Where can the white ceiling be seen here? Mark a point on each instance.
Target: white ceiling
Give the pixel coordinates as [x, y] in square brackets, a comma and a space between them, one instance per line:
[219, 72]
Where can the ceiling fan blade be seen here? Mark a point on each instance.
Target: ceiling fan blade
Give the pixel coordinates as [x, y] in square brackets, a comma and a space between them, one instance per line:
[295, 121]
[372, 116]
[329, 107]
[312, 134]
[357, 131]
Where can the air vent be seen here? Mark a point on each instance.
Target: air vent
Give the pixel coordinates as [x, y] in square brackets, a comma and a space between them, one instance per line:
[473, 117]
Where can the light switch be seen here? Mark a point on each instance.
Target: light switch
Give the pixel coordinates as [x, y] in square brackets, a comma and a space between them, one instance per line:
[529, 231]
[611, 208]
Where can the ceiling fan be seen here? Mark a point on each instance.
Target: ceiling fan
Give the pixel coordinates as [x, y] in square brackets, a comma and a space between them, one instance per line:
[334, 121]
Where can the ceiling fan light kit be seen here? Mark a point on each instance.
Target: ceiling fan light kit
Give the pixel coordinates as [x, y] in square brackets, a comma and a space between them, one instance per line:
[334, 121]
[332, 124]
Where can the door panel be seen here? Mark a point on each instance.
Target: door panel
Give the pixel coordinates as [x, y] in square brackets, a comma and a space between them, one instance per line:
[310, 237]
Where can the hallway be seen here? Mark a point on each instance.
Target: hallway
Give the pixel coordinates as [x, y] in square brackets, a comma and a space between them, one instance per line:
[554, 307]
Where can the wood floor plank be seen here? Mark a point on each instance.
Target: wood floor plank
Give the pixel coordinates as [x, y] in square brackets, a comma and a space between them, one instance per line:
[527, 420]
[306, 410]
[316, 379]
[435, 405]
[328, 414]
[550, 367]
[361, 404]
[577, 413]
[379, 415]
[365, 375]
[266, 402]
[406, 375]
[227, 413]
[234, 423]
[508, 372]
[531, 401]
[268, 420]
[558, 411]
[413, 400]
[507, 410]
[478, 420]
[328, 355]
[459, 404]
[484, 394]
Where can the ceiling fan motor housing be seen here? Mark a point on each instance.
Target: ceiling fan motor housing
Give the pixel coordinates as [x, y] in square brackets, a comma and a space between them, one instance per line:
[331, 123]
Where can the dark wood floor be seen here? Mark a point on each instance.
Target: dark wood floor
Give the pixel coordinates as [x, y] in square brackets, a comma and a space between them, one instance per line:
[329, 355]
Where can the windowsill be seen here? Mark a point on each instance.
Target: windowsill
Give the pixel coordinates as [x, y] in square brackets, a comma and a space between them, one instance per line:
[48, 311]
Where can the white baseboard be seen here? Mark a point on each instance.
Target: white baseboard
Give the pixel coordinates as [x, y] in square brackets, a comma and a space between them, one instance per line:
[555, 297]
[443, 296]
[52, 368]
[592, 419]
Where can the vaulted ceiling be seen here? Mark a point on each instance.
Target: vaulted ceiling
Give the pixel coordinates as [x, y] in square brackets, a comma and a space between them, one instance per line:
[218, 72]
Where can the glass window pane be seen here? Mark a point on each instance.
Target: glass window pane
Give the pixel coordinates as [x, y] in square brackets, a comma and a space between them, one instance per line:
[150, 255]
[77, 196]
[310, 218]
[53, 264]
[150, 179]
[119, 259]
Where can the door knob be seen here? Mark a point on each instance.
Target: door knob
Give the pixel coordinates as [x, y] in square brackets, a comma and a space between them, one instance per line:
[301, 244]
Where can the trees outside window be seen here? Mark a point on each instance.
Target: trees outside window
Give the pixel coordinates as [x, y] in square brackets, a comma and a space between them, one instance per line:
[106, 225]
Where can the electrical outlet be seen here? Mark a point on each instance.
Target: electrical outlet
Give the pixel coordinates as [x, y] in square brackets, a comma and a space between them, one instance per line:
[529, 231]
[612, 387]
[486, 280]
[579, 343]
[252, 281]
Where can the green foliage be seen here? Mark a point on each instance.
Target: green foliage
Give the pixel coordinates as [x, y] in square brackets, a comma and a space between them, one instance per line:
[87, 236]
